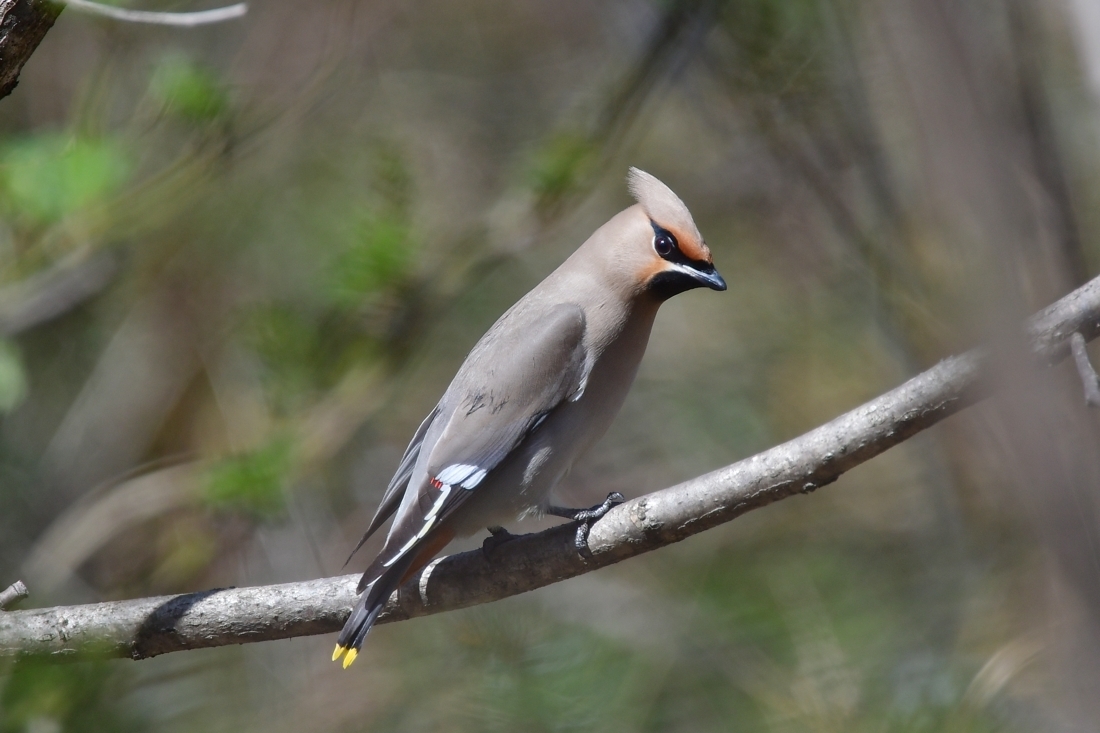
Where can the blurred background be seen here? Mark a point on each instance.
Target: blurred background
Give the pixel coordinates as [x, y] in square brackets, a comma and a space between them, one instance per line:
[238, 264]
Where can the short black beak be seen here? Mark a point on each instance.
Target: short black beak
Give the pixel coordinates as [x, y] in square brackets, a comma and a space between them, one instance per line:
[708, 276]
[684, 276]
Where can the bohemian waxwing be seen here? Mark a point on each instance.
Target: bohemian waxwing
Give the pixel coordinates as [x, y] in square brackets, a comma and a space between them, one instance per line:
[535, 392]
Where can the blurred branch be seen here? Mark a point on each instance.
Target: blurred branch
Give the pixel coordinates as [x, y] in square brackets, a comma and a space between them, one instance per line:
[138, 379]
[1025, 26]
[54, 292]
[675, 41]
[151, 626]
[23, 25]
[1084, 368]
[92, 520]
[182, 20]
[14, 593]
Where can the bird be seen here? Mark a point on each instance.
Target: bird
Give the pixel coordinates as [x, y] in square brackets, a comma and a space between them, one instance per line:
[538, 389]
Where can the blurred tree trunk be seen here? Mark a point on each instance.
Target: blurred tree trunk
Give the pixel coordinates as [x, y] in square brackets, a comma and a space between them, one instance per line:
[997, 180]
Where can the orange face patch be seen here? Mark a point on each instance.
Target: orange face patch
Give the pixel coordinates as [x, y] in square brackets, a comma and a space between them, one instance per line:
[693, 249]
[653, 269]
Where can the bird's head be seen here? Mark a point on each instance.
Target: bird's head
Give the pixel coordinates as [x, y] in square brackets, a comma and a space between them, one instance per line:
[673, 257]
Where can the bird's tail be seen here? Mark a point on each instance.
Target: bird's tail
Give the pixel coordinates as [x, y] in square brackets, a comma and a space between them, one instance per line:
[367, 609]
[389, 575]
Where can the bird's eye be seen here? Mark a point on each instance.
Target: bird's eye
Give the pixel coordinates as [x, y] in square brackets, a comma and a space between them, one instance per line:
[664, 243]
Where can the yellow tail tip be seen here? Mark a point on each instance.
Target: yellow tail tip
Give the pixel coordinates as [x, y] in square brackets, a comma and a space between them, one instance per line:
[339, 652]
[352, 654]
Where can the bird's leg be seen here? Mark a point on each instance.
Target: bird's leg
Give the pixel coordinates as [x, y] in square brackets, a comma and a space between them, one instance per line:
[497, 537]
[586, 517]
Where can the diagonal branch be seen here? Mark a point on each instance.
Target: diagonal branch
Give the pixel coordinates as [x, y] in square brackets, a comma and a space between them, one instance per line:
[151, 626]
[23, 25]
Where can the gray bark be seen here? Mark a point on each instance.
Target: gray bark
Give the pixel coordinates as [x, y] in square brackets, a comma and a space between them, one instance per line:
[11, 595]
[1089, 378]
[23, 25]
[147, 627]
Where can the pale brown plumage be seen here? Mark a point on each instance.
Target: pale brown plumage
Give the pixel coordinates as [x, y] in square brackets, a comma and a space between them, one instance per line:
[539, 388]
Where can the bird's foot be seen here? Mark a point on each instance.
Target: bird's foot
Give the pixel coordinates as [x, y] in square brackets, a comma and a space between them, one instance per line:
[497, 537]
[586, 518]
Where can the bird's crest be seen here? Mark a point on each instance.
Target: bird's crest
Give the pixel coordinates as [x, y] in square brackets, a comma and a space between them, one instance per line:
[663, 206]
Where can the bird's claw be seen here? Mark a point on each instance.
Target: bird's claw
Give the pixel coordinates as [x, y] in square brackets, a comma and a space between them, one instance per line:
[497, 537]
[586, 518]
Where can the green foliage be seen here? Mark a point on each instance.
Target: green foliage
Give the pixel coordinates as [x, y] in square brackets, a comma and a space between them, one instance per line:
[572, 680]
[780, 634]
[343, 313]
[779, 43]
[375, 239]
[522, 670]
[304, 351]
[560, 166]
[839, 638]
[188, 91]
[13, 378]
[252, 482]
[45, 177]
[822, 639]
[289, 345]
[380, 254]
[78, 697]
[391, 182]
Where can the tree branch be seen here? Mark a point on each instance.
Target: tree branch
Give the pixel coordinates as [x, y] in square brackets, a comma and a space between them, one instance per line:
[11, 595]
[182, 20]
[23, 25]
[55, 291]
[1089, 378]
[151, 626]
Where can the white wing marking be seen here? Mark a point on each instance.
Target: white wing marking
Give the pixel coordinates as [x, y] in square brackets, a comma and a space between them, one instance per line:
[429, 520]
[462, 474]
[437, 506]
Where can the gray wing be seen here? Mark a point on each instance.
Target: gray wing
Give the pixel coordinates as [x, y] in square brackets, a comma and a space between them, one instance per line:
[400, 481]
[509, 384]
